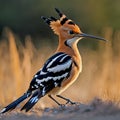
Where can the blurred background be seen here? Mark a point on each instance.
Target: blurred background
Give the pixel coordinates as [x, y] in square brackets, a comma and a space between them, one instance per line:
[24, 17]
[26, 42]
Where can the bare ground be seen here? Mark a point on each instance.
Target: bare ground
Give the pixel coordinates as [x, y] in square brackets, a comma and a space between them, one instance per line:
[96, 110]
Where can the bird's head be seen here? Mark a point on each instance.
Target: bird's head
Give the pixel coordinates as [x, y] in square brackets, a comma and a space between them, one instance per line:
[66, 29]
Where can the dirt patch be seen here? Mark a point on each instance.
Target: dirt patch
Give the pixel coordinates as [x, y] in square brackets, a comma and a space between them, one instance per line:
[96, 110]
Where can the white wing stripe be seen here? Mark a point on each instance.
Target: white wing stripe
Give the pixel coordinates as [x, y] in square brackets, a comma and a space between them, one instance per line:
[34, 99]
[43, 91]
[42, 72]
[59, 68]
[49, 78]
[54, 60]
[59, 77]
[63, 58]
[42, 80]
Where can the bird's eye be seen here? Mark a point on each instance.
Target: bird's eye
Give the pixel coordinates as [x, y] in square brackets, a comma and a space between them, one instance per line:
[71, 32]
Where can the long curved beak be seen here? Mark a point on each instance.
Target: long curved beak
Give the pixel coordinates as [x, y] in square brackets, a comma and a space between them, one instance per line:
[90, 36]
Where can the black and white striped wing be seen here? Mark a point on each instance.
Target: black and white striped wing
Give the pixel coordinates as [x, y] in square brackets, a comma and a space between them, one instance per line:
[54, 71]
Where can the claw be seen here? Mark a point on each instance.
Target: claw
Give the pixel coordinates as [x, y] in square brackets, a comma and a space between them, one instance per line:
[70, 102]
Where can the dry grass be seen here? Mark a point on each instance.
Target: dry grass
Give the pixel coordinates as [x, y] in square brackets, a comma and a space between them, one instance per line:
[100, 76]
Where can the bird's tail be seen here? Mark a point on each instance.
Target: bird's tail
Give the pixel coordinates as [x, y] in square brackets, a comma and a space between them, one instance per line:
[32, 101]
[14, 104]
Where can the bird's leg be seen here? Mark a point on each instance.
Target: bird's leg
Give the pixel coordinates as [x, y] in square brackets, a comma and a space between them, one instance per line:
[55, 101]
[66, 99]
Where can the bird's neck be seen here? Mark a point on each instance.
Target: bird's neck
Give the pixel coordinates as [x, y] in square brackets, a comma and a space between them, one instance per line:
[70, 50]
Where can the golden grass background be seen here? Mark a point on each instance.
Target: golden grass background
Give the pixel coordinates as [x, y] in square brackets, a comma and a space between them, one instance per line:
[100, 76]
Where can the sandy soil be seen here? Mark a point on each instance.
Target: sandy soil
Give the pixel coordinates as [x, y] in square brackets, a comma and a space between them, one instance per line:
[96, 110]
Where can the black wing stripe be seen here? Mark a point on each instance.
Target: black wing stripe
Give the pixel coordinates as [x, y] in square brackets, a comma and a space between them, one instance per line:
[66, 57]
[61, 60]
[55, 61]
[51, 58]
[60, 67]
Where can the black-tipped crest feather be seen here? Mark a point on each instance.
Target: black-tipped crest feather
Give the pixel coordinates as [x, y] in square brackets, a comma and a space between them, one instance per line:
[59, 12]
[47, 20]
[52, 18]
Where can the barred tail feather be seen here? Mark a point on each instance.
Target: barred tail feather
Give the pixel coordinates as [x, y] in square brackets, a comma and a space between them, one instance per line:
[32, 101]
[14, 104]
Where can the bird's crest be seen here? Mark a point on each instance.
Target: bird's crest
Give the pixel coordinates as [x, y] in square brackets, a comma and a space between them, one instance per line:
[62, 23]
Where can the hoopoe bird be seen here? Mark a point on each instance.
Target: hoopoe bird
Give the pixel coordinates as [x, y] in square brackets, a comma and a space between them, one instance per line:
[61, 69]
